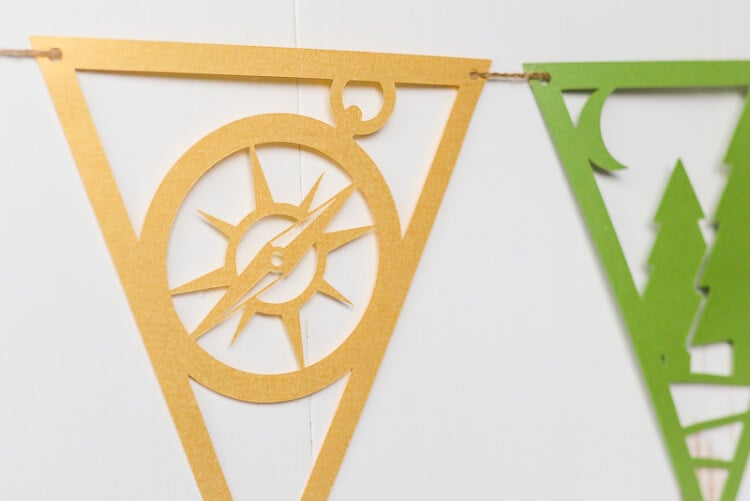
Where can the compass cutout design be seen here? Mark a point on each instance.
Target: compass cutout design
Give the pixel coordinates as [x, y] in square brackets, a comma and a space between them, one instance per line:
[247, 285]
[244, 285]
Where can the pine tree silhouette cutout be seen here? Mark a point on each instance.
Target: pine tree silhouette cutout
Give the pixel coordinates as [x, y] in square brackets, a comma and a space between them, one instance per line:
[671, 299]
[726, 314]
[658, 319]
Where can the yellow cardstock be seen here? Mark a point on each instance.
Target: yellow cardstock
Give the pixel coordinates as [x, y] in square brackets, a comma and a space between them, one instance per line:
[141, 260]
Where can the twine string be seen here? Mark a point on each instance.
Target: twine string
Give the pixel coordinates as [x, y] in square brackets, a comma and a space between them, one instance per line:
[509, 76]
[52, 54]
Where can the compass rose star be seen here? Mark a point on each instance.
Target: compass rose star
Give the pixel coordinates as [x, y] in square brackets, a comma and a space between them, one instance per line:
[276, 260]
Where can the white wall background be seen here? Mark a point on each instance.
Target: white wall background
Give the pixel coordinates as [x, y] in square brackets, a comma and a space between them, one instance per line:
[548, 402]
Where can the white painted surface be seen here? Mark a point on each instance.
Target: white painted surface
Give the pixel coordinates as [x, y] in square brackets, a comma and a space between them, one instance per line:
[509, 375]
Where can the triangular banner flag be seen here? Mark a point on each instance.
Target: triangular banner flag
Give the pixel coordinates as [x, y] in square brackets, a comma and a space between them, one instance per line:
[694, 296]
[141, 258]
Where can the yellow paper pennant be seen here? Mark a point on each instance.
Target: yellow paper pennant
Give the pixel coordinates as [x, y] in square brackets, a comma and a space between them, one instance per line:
[141, 260]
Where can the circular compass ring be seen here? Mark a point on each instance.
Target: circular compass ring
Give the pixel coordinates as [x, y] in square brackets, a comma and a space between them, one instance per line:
[278, 257]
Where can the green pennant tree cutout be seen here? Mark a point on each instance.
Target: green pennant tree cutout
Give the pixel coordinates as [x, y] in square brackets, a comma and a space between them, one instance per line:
[694, 295]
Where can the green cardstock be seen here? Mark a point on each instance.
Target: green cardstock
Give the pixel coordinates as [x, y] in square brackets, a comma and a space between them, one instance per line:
[684, 275]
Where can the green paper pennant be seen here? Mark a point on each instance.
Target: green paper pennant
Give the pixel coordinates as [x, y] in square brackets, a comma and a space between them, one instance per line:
[694, 295]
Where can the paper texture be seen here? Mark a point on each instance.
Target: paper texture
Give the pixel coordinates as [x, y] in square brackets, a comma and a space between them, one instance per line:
[693, 296]
[141, 259]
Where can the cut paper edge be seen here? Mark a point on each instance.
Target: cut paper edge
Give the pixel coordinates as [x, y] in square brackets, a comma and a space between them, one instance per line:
[711, 482]
[407, 184]
[574, 103]
[323, 407]
[697, 403]
[575, 153]
[718, 443]
[713, 359]
[137, 258]
[261, 447]
[297, 429]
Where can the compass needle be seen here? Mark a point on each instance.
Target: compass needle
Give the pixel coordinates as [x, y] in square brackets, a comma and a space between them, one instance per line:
[316, 225]
[241, 285]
